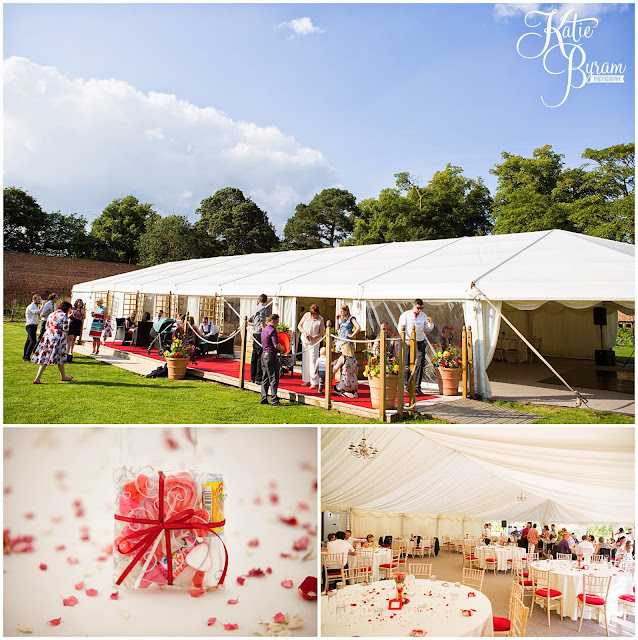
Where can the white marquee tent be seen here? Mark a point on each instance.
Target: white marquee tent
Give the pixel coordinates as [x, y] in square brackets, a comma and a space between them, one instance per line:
[547, 280]
[449, 480]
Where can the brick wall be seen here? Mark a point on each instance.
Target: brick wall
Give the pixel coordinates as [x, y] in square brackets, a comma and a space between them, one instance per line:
[26, 274]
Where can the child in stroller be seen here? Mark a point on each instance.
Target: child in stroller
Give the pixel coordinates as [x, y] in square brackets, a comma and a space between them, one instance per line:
[286, 358]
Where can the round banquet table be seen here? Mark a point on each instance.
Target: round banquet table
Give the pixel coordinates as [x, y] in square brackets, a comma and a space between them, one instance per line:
[567, 578]
[381, 556]
[502, 554]
[363, 610]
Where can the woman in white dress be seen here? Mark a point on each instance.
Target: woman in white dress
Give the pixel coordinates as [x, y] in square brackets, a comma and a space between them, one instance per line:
[312, 328]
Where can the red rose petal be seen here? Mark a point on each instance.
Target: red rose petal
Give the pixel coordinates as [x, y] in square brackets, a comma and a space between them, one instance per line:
[254, 573]
[196, 593]
[198, 578]
[91, 592]
[292, 521]
[253, 543]
[211, 621]
[55, 622]
[7, 491]
[60, 547]
[269, 570]
[70, 602]
[231, 627]
[29, 516]
[241, 580]
[274, 498]
[287, 584]
[43, 567]
[279, 617]
[301, 544]
[79, 586]
[233, 601]
[114, 596]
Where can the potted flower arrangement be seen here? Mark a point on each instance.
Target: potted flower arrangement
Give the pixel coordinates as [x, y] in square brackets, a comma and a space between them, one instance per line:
[178, 356]
[372, 370]
[284, 328]
[447, 363]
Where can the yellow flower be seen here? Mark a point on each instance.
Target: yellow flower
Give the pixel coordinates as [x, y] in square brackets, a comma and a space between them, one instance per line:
[395, 368]
[439, 354]
[446, 354]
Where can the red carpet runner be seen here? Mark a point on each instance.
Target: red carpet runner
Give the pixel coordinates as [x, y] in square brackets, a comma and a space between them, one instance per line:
[229, 367]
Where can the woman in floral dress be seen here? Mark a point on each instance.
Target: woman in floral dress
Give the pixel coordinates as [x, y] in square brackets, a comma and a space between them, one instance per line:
[97, 326]
[53, 346]
[348, 384]
[348, 327]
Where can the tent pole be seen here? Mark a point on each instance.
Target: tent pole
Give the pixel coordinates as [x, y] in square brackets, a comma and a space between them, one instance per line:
[579, 398]
[470, 359]
[464, 360]
[242, 360]
[401, 380]
[382, 357]
[328, 382]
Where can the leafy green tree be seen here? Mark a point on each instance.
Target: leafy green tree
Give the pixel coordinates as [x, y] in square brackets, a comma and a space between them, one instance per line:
[120, 227]
[24, 222]
[326, 220]
[168, 240]
[66, 236]
[235, 224]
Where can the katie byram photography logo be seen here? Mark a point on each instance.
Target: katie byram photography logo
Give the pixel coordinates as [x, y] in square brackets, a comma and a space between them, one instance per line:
[560, 44]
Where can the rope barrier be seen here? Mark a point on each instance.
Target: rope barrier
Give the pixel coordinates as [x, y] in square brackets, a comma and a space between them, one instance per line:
[195, 331]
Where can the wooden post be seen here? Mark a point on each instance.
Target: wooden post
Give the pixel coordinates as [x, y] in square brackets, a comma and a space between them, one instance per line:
[242, 359]
[411, 391]
[464, 360]
[328, 389]
[470, 359]
[401, 381]
[382, 353]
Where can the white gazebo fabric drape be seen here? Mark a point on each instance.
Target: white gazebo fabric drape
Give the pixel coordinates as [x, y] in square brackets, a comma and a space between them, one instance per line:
[574, 476]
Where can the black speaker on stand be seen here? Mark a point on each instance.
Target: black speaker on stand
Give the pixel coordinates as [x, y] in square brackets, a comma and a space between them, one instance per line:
[603, 357]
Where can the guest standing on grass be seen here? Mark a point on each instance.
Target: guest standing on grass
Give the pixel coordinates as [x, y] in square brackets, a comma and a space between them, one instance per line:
[76, 322]
[312, 328]
[52, 348]
[97, 326]
[32, 314]
[269, 364]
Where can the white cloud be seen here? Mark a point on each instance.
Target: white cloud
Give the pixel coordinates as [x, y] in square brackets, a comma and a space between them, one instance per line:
[77, 144]
[300, 27]
[504, 10]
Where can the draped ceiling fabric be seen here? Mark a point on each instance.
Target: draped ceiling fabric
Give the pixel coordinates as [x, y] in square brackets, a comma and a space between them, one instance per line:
[582, 475]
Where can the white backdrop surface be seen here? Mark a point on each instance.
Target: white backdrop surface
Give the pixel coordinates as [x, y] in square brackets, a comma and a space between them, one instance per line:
[575, 475]
[255, 462]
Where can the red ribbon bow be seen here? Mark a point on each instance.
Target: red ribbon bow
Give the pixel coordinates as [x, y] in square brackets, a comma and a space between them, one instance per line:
[180, 520]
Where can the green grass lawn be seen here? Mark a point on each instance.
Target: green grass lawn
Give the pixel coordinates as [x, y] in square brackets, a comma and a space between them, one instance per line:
[624, 355]
[102, 393]
[566, 415]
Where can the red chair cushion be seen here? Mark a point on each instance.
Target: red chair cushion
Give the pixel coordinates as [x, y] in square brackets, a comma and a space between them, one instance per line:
[552, 593]
[628, 597]
[527, 583]
[491, 560]
[388, 566]
[334, 572]
[525, 575]
[471, 558]
[364, 568]
[591, 599]
[501, 624]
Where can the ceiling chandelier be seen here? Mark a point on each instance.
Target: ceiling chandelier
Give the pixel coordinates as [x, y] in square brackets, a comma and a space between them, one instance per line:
[521, 498]
[362, 450]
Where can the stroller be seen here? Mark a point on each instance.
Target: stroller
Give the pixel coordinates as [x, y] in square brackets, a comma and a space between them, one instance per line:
[161, 336]
[286, 358]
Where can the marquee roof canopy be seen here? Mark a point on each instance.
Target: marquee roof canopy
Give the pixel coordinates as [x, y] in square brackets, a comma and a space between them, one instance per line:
[581, 475]
[543, 265]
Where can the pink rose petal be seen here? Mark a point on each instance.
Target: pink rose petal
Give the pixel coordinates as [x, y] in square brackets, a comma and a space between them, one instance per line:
[279, 617]
[197, 593]
[302, 506]
[287, 584]
[43, 567]
[55, 622]
[114, 596]
[254, 542]
[79, 586]
[231, 627]
[60, 547]
[73, 560]
[29, 516]
[70, 602]
[274, 498]
[241, 580]
[233, 601]
[268, 570]
[211, 621]
[91, 592]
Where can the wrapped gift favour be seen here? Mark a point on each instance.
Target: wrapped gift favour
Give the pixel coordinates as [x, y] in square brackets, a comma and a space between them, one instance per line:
[169, 529]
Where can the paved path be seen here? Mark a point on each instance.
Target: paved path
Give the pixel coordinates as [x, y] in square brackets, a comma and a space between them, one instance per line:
[466, 411]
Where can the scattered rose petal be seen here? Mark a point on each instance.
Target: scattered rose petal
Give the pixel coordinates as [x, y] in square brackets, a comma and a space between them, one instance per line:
[7, 491]
[43, 567]
[302, 506]
[73, 560]
[29, 516]
[274, 498]
[91, 592]
[114, 596]
[253, 543]
[24, 629]
[241, 580]
[279, 617]
[79, 586]
[257, 501]
[70, 602]
[124, 614]
[301, 544]
[254, 573]
[197, 593]
[306, 465]
[231, 627]
[287, 584]
[102, 559]
[211, 621]
[292, 521]
[55, 622]
[57, 519]
[314, 485]
[60, 547]
[268, 570]
[233, 601]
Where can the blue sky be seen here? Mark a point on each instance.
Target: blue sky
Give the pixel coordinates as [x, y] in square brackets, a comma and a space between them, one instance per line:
[373, 90]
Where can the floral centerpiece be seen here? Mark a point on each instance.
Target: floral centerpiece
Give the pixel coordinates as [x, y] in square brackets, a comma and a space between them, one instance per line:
[399, 579]
[372, 364]
[180, 349]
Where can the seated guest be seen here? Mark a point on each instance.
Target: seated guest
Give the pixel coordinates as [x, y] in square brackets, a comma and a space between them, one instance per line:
[131, 324]
[348, 534]
[331, 537]
[584, 547]
[624, 553]
[160, 316]
[370, 542]
[340, 545]
[348, 384]
[563, 545]
[207, 328]
[146, 317]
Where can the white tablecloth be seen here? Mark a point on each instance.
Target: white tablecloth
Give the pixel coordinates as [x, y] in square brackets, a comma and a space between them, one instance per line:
[503, 554]
[381, 556]
[568, 579]
[430, 609]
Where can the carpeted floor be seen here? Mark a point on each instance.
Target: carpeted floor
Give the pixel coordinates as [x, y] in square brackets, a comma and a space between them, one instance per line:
[449, 567]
